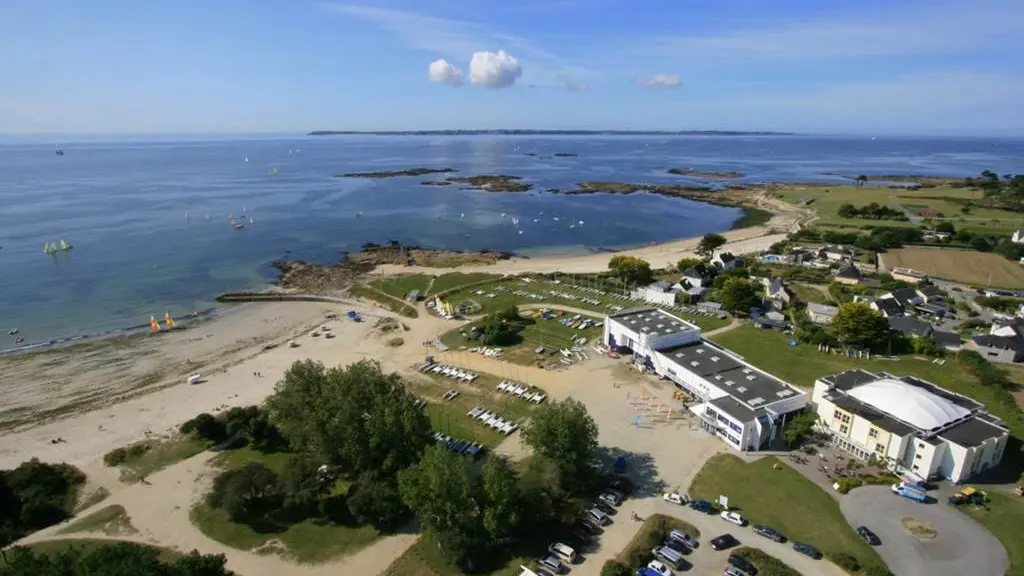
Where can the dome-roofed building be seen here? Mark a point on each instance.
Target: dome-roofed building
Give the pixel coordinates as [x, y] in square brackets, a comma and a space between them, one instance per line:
[913, 425]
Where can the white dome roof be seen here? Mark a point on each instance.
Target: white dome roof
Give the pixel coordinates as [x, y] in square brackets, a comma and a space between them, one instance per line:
[912, 404]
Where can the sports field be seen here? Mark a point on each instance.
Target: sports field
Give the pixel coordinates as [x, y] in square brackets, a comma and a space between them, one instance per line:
[967, 266]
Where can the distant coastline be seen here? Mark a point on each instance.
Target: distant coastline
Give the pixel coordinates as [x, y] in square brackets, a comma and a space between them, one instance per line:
[546, 133]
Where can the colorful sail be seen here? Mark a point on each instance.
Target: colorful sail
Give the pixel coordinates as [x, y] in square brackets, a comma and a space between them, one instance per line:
[153, 324]
[168, 321]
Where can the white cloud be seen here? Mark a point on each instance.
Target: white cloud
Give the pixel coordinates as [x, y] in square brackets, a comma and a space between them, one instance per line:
[445, 72]
[494, 69]
[660, 81]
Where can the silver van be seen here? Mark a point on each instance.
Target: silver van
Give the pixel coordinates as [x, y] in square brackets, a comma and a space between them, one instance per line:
[669, 556]
[598, 516]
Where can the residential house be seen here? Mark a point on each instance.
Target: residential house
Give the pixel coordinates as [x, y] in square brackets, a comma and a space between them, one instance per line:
[908, 275]
[770, 319]
[836, 253]
[949, 341]
[848, 275]
[700, 275]
[906, 297]
[660, 292]
[935, 235]
[930, 294]
[910, 327]
[935, 310]
[1007, 327]
[1018, 237]
[887, 307]
[821, 313]
[724, 261]
[776, 294]
[693, 292]
[999, 348]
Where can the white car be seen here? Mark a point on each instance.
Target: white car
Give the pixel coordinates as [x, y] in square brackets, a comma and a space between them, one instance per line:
[674, 498]
[659, 567]
[734, 517]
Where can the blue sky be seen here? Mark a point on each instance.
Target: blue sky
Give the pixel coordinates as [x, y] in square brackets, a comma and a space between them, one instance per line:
[914, 67]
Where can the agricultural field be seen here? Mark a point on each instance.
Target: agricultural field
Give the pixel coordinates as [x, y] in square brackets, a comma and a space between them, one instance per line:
[966, 266]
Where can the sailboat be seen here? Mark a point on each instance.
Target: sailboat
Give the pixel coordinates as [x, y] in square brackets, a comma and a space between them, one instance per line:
[236, 224]
[273, 171]
[64, 246]
[50, 248]
[60, 152]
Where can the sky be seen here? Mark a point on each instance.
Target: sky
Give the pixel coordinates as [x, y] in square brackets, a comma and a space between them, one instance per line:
[233, 66]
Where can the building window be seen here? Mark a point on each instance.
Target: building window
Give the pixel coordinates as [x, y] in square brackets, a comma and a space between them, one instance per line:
[916, 468]
[735, 427]
[844, 429]
[873, 433]
[917, 456]
[879, 448]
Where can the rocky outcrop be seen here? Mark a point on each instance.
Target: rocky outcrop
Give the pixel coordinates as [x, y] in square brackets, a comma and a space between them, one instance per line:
[397, 173]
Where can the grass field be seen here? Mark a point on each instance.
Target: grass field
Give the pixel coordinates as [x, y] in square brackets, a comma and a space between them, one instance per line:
[400, 286]
[1004, 518]
[535, 331]
[396, 305]
[783, 499]
[803, 364]
[967, 266]
[806, 293]
[159, 455]
[452, 280]
[112, 520]
[424, 559]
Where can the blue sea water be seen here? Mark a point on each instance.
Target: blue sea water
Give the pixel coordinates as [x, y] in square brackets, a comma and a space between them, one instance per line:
[122, 203]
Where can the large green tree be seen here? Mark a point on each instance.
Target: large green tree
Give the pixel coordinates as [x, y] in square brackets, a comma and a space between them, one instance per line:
[566, 434]
[631, 270]
[354, 417]
[120, 559]
[857, 325]
[502, 499]
[708, 244]
[376, 500]
[738, 295]
[247, 492]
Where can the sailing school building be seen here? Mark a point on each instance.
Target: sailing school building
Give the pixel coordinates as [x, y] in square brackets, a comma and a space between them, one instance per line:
[744, 406]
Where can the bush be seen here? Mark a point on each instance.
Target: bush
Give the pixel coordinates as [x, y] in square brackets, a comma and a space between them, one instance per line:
[875, 569]
[847, 484]
[845, 561]
[613, 568]
[766, 564]
[36, 495]
[209, 428]
[115, 457]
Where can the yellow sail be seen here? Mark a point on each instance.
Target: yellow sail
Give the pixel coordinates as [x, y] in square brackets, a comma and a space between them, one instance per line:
[153, 324]
[168, 321]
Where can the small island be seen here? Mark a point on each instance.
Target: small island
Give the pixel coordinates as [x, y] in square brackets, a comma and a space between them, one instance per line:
[397, 173]
[486, 182]
[564, 155]
[595, 187]
[726, 175]
[435, 183]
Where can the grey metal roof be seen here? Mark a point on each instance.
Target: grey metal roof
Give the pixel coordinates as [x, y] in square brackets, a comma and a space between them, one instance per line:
[972, 432]
[850, 379]
[734, 408]
[822, 309]
[848, 272]
[944, 338]
[652, 321]
[747, 384]
[1001, 342]
[904, 295]
[909, 326]
[889, 306]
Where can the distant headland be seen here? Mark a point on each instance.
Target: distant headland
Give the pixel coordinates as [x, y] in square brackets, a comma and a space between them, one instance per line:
[545, 133]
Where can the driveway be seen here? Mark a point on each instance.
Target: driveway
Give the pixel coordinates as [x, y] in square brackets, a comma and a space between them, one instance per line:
[961, 546]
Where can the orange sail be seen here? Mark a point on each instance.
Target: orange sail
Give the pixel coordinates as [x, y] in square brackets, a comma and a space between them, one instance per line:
[168, 321]
[153, 324]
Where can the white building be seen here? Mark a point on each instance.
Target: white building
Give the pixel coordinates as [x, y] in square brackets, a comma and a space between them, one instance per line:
[661, 292]
[735, 401]
[913, 425]
[1018, 237]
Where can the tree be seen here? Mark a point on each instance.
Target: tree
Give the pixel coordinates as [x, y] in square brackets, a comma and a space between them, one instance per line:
[799, 427]
[857, 325]
[709, 243]
[39, 493]
[120, 559]
[566, 434]
[494, 331]
[945, 226]
[631, 270]
[687, 263]
[738, 295]
[861, 180]
[501, 499]
[981, 244]
[247, 492]
[302, 485]
[377, 501]
[354, 417]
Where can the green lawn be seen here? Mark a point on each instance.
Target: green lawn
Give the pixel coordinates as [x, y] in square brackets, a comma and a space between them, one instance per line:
[783, 499]
[424, 559]
[638, 552]
[112, 520]
[534, 331]
[388, 302]
[400, 286]
[807, 293]
[450, 416]
[1004, 517]
[90, 544]
[159, 454]
[453, 280]
[803, 364]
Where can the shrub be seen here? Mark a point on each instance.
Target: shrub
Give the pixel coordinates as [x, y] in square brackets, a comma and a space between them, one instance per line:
[847, 484]
[115, 457]
[766, 564]
[613, 568]
[875, 569]
[845, 561]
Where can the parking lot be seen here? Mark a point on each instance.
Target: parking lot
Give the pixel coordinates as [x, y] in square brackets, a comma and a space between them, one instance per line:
[960, 546]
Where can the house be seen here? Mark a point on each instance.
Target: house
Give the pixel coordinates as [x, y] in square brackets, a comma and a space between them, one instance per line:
[999, 348]
[910, 327]
[700, 275]
[693, 292]
[1018, 237]
[1007, 327]
[776, 293]
[950, 341]
[930, 294]
[906, 297]
[910, 424]
[836, 253]
[935, 235]
[724, 261]
[935, 310]
[848, 275]
[660, 292]
[769, 320]
[713, 307]
[908, 275]
[887, 307]
[821, 313]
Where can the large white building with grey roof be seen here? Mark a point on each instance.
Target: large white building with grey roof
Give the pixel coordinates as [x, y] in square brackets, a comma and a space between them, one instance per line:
[913, 425]
[744, 406]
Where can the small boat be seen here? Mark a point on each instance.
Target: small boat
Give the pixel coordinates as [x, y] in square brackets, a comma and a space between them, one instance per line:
[60, 152]
[237, 225]
[246, 158]
[502, 214]
[12, 331]
[273, 171]
[50, 248]
[64, 246]
[195, 378]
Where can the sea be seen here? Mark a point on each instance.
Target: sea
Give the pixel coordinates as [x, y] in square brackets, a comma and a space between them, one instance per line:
[149, 217]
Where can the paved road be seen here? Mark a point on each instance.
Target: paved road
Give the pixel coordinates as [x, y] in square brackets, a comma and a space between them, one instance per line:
[960, 547]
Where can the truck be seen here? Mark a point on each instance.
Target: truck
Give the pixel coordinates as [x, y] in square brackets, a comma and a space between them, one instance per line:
[910, 492]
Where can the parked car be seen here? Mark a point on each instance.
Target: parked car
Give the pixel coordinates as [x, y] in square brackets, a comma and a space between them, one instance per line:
[702, 506]
[769, 533]
[724, 542]
[621, 484]
[675, 545]
[582, 535]
[603, 506]
[733, 517]
[563, 551]
[674, 498]
[868, 536]
[807, 550]
[659, 567]
[684, 538]
[732, 571]
[599, 517]
[552, 563]
[743, 564]
[611, 497]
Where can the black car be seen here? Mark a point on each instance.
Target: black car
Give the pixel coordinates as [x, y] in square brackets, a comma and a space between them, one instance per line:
[807, 550]
[743, 564]
[604, 506]
[724, 542]
[769, 533]
[868, 536]
[676, 545]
